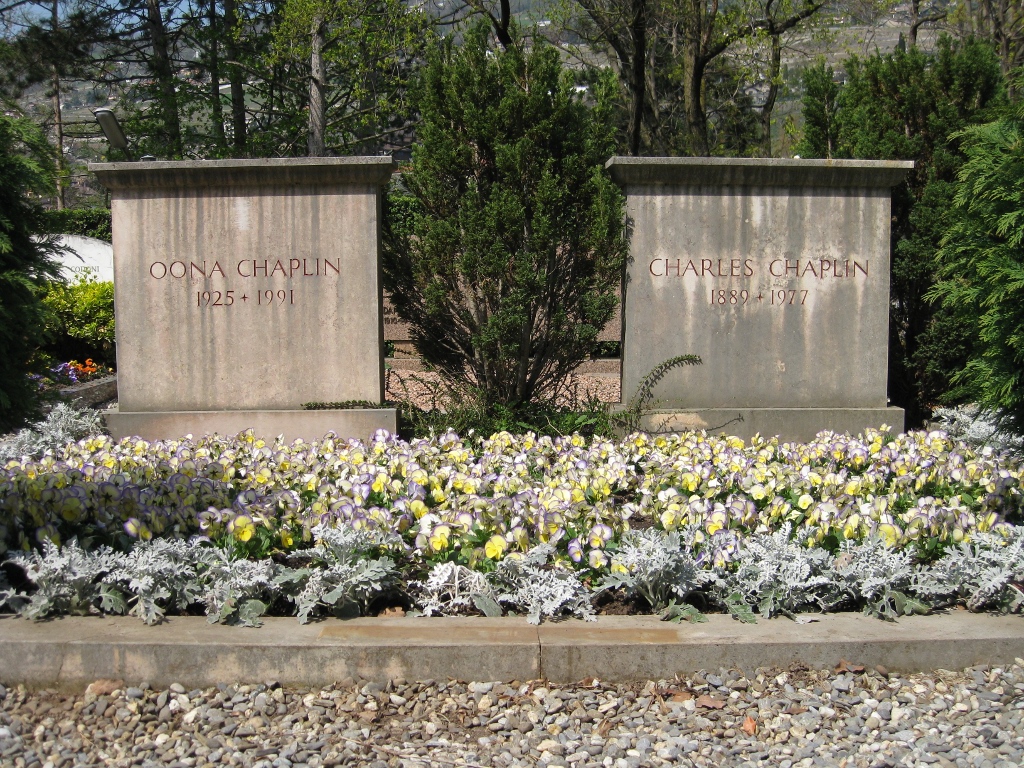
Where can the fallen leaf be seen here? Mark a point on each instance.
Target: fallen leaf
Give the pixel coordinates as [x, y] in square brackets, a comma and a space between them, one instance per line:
[706, 701]
[795, 709]
[682, 696]
[846, 666]
[588, 681]
[749, 726]
[603, 728]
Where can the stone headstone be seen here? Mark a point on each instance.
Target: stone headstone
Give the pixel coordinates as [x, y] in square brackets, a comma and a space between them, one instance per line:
[86, 257]
[774, 272]
[246, 288]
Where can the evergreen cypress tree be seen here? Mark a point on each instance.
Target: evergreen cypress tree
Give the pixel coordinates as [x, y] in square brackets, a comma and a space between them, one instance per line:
[909, 105]
[26, 174]
[505, 254]
[982, 265]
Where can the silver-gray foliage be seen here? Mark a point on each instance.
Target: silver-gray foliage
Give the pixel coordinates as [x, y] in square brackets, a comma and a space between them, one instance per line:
[344, 575]
[978, 428]
[778, 576]
[451, 589]
[62, 425]
[980, 573]
[67, 580]
[656, 567]
[155, 575]
[878, 575]
[532, 583]
[236, 590]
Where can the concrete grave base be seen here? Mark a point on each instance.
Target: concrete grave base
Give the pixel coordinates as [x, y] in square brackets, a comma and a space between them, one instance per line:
[71, 652]
[92, 392]
[308, 425]
[795, 424]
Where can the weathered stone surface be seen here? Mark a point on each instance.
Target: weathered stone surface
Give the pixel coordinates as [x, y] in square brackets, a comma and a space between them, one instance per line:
[775, 272]
[247, 285]
[92, 392]
[801, 424]
[74, 651]
[307, 425]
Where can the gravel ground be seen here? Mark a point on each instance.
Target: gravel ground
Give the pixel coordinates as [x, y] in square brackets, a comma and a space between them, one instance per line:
[797, 717]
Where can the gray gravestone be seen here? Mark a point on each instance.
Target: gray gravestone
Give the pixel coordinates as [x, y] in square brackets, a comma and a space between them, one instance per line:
[774, 272]
[245, 289]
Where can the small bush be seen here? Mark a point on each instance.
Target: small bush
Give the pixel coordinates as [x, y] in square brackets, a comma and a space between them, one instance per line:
[80, 322]
[87, 222]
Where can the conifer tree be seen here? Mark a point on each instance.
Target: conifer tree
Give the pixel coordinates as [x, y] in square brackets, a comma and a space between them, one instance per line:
[26, 174]
[511, 247]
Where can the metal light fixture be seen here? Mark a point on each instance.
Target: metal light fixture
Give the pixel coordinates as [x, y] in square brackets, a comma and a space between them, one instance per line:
[112, 130]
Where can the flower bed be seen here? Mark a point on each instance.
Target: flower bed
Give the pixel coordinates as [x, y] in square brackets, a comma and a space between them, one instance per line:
[538, 524]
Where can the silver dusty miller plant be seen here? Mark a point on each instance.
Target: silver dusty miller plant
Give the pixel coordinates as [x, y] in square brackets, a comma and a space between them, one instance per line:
[451, 589]
[238, 591]
[982, 573]
[978, 428]
[63, 425]
[344, 576]
[67, 580]
[155, 575]
[878, 575]
[777, 576]
[656, 567]
[533, 584]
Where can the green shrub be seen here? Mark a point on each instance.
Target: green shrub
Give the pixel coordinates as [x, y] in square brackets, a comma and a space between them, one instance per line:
[909, 105]
[87, 222]
[26, 173]
[80, 321]
[505, 249]
[982, 265]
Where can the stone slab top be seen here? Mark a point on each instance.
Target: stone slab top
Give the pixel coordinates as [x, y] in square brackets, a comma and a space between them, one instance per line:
[757, 172]
[284, 171]
[70, 652]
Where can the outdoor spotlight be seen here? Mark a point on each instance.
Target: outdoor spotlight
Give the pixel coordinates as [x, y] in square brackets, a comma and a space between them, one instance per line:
[112, 130]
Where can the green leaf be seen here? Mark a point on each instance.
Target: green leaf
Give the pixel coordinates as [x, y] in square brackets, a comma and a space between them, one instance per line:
[111, 600]
[250, 612]
[677, 612]
[486, 605]
[739, 609]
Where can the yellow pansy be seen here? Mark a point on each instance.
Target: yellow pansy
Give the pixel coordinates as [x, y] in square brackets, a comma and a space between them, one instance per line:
[440, 538]
[242, 527]
[889, 533]
[495, 547]
[716, 521]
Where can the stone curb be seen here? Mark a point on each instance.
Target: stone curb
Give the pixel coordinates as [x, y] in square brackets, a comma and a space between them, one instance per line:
[69, 653]
[92, 392]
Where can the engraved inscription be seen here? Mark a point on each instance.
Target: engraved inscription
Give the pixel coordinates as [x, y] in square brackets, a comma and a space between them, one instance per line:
[770, 279]
[288, 269]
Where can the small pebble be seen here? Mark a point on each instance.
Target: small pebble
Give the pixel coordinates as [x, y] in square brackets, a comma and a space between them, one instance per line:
[793, 718]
